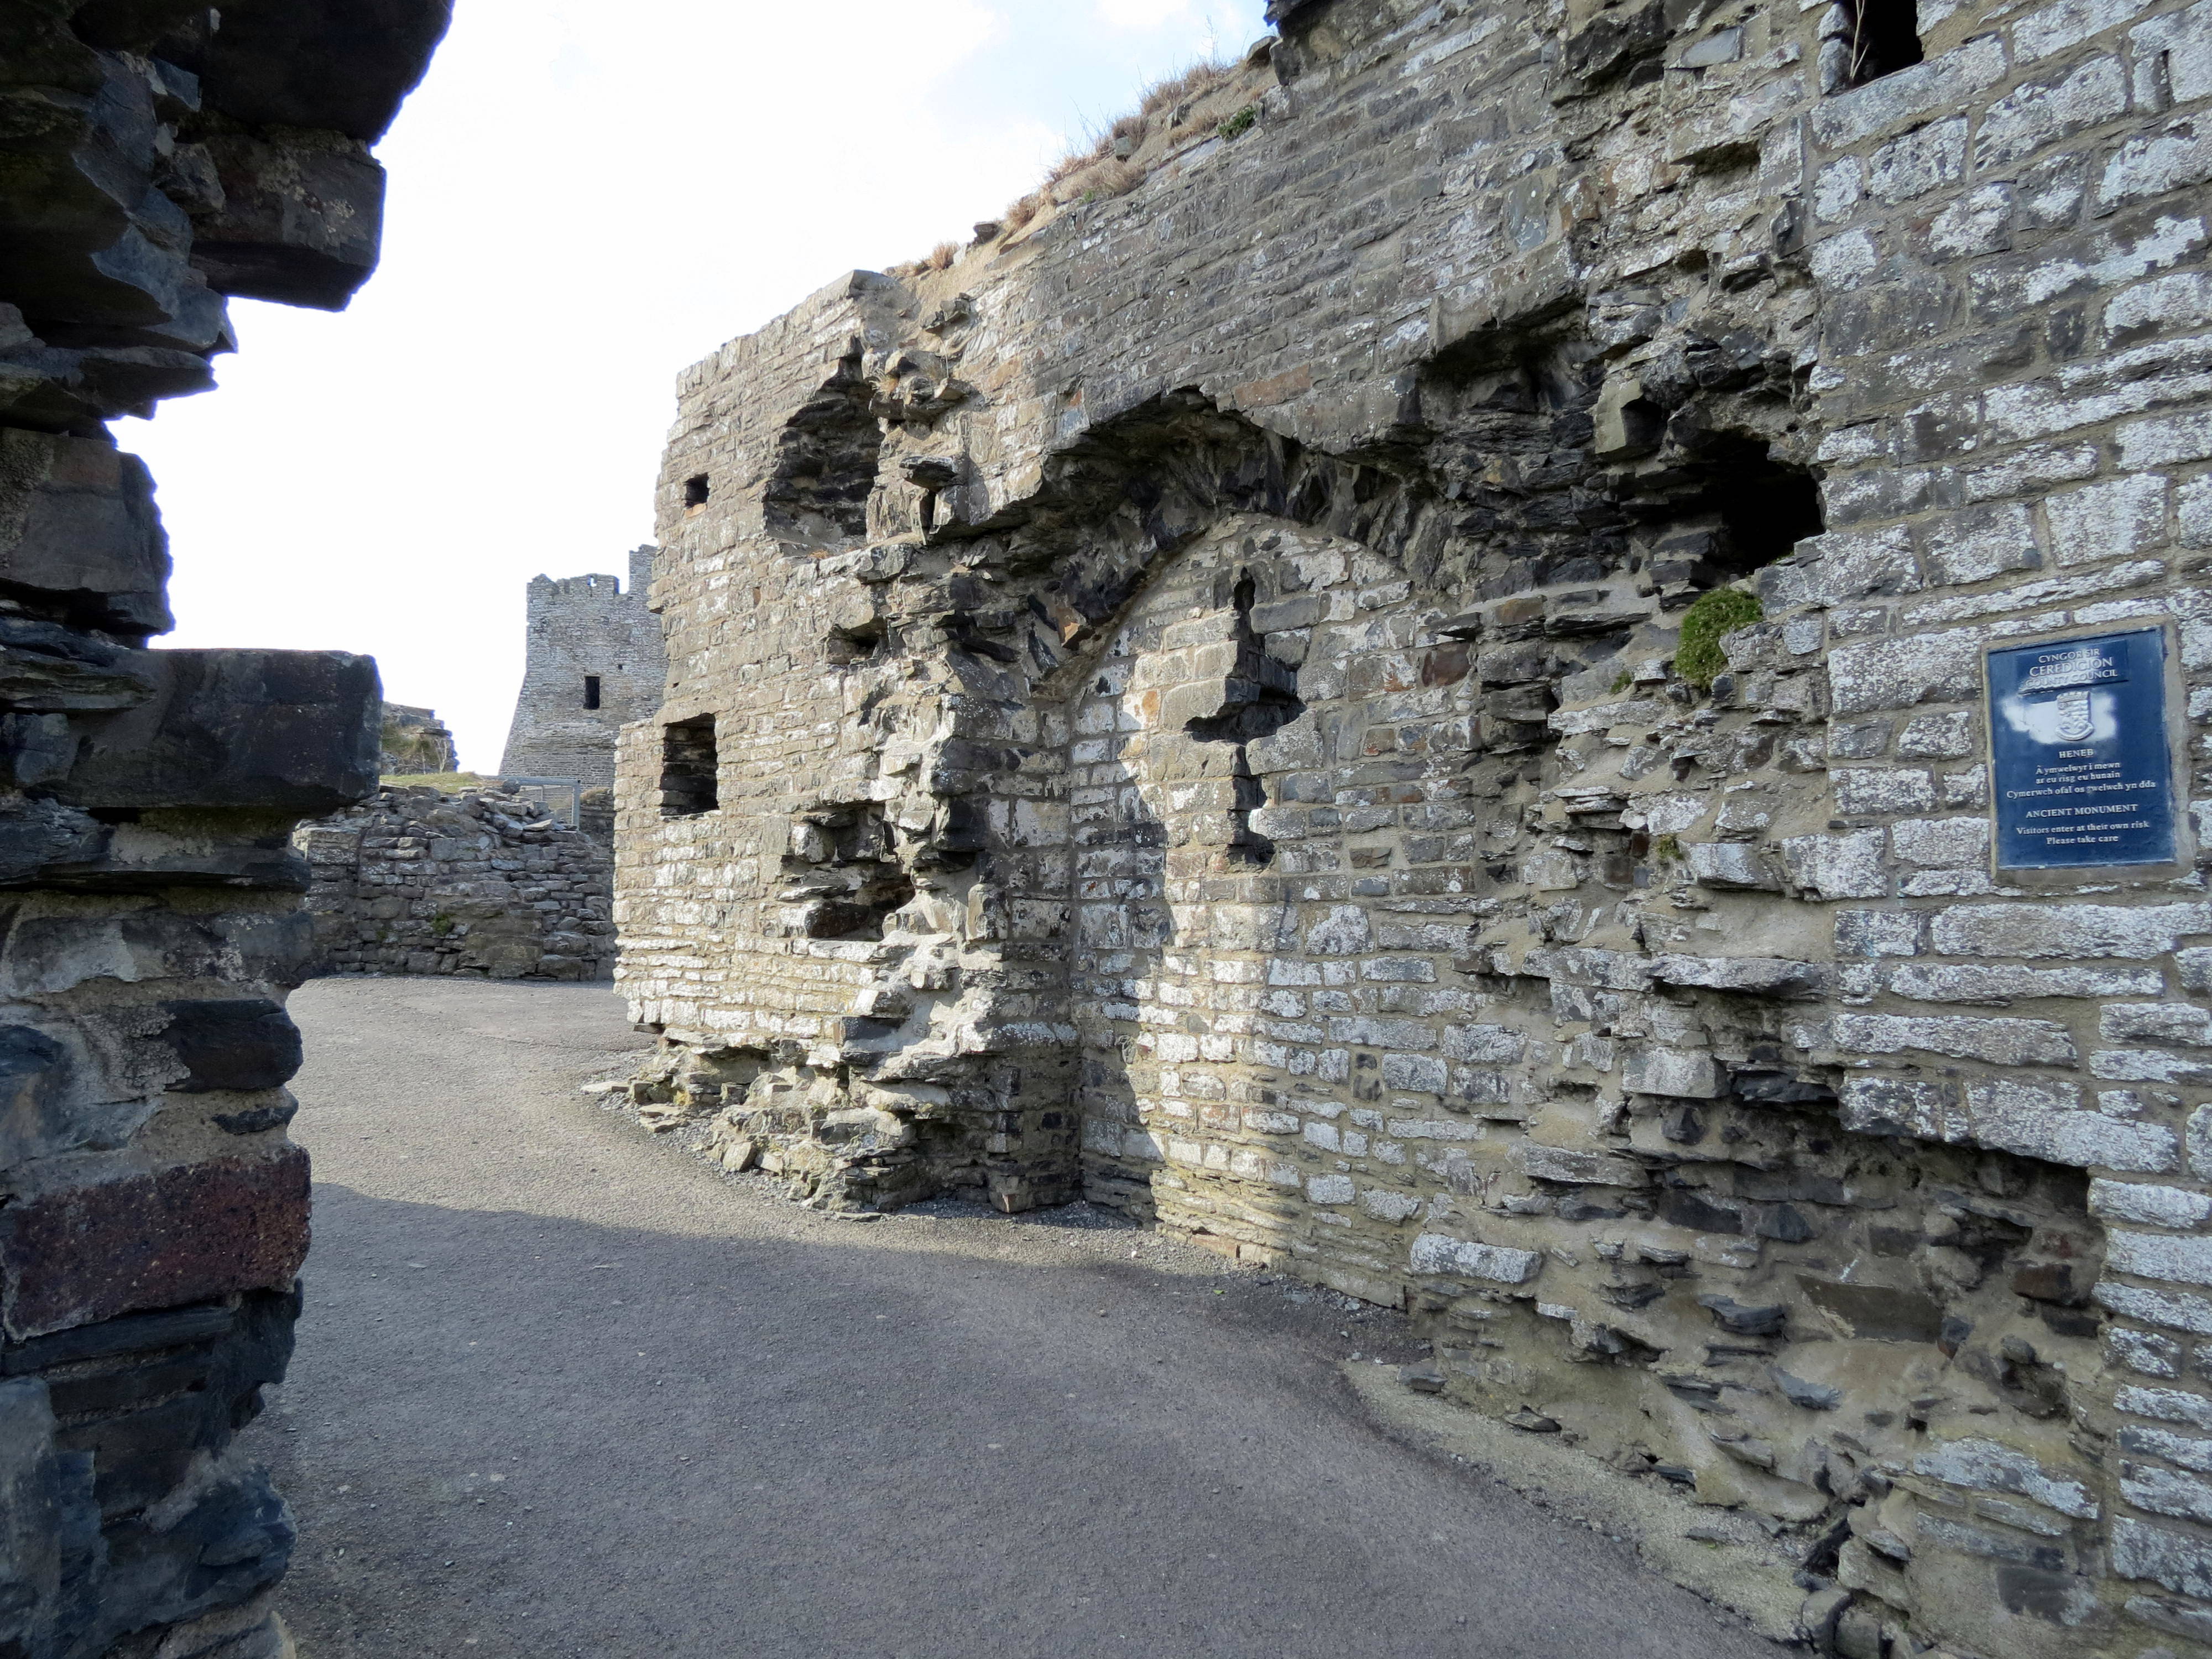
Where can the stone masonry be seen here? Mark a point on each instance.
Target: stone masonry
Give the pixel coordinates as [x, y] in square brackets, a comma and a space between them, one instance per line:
[159, 157]
[1200, 705]
[595, 663]
[480, 884]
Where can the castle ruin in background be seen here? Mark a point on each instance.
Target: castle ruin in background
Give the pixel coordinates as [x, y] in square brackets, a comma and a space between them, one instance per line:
[595, 663]
[414, 741]
[153, 1212]
[1397, 675]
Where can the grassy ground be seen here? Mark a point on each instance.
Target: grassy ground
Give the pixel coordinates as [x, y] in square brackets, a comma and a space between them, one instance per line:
[453, 783]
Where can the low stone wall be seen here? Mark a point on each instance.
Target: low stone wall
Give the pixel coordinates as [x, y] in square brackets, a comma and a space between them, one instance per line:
[483, 885]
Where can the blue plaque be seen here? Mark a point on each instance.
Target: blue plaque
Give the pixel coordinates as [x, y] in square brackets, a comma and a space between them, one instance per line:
[2083, 773]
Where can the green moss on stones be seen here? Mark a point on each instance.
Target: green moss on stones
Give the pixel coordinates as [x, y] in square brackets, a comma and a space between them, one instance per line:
[1240, 122]
[1698, 658]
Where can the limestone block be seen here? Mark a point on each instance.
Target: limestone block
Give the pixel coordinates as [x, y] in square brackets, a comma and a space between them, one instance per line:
[1653, 1071]
[1564, 1164]
[1729, 865]
[1440, 1254]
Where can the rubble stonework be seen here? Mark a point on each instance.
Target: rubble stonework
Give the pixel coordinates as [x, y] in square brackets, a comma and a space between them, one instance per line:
[480, 884]
[1181, 707]
[595, 663]
[153, 1213]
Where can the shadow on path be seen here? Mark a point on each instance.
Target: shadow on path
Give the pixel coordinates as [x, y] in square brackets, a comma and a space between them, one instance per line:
[751, 1431]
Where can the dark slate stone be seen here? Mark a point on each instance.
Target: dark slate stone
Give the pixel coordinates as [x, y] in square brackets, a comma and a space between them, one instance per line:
[80, 540]
[263, 246]
[1813, 1396]
[1881, 1311]
[337, 64]
[1744, 1321]
[34, 1075]
[231, 1043]
[134, 1334]
[290, 730]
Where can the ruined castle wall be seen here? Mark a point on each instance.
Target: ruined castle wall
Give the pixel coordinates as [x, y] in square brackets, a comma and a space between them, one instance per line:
[414, 740]
[1214, 674]
[153, 1213]
[479, 884]
[595, 662]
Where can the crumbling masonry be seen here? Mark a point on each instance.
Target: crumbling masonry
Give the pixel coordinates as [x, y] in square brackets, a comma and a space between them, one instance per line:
[1191, 706]
[153, 1215]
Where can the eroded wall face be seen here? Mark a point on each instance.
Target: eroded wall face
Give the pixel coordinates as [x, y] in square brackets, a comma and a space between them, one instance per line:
[154, 1214]
[1256, 730]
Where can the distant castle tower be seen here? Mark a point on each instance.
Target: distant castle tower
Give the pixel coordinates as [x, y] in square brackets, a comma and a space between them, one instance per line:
[595, 663]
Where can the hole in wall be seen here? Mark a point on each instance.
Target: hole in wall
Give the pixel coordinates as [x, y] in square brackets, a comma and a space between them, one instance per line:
[1259, 696]
[696, 490]
[591, 690]
[1742, 511]
[842, 868]
[1881, 37]
[848, 645]
[1766, 509]
[862, 916]
[689, 766]
[825, 464]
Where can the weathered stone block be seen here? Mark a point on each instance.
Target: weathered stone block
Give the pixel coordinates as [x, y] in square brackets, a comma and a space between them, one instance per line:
[1729, 865]
[77, 1254]
[291, 730]
[2037, 931]
[1444, 1257]
[1670, 1072]
[1837, 866]
[80, 539]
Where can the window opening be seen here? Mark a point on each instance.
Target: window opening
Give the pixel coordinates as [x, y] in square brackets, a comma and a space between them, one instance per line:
[1883, 37]
[695, 491]
[688, 767]
[591, 690]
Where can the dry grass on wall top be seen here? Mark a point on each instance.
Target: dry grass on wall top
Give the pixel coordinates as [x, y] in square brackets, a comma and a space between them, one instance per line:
[1698, 659]
[1111, 165]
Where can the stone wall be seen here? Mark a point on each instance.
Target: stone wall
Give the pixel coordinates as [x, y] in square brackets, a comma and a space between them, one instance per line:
[480, 884]
[152, 1213]
[1200, 704]
[595, 663]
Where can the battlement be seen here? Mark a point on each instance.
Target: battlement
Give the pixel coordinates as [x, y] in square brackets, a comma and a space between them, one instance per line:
[595, 662]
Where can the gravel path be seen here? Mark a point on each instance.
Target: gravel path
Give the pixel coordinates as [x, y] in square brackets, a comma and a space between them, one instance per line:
[562, 1389]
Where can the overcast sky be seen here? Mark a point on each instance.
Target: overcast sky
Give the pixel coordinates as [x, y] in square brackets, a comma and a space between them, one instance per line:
[584, 199]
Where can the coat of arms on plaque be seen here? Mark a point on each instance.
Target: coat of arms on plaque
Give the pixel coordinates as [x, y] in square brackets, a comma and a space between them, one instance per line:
[2076, 720]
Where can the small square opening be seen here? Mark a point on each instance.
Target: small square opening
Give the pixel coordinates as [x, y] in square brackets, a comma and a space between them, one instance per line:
[696, 490]
[591, 690]
[688, 767]
[1882, 37]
